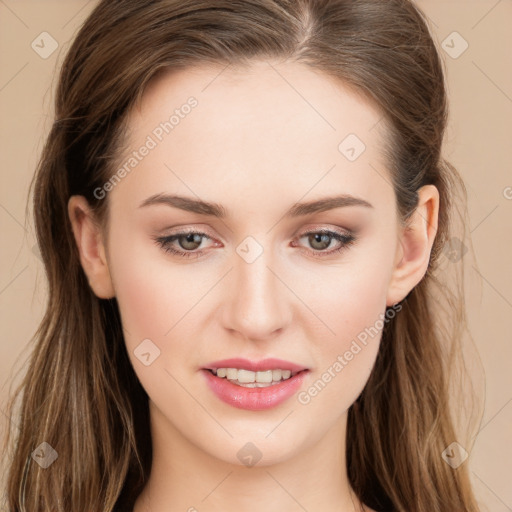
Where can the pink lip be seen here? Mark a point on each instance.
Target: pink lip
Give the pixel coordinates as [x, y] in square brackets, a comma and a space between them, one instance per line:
[255, 366]
[253, 399]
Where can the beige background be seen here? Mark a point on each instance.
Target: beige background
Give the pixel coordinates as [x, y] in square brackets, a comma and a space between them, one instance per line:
[478, 143]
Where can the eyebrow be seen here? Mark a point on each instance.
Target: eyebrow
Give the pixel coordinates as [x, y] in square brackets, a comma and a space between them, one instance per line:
[216, 210]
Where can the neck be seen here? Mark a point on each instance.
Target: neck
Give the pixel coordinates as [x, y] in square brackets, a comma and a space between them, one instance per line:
[185, 477]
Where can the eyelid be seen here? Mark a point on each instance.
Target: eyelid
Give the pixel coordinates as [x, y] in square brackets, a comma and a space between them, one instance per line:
[319, 228]
[204, 232]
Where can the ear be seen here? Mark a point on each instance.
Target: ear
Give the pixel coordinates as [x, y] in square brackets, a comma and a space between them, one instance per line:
[91, 248]
[415, 245]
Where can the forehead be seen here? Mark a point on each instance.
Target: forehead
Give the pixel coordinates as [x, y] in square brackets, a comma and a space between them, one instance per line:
[290, 99]
[266, 125]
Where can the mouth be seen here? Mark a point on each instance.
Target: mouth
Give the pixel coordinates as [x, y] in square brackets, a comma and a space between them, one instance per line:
[254, 385]
[251, 379]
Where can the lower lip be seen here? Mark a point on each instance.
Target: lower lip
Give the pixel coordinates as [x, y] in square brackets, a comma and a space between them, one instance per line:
[254, 399]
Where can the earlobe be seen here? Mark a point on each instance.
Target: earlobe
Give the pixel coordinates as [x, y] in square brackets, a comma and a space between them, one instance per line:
[90, 246]
[415, 246]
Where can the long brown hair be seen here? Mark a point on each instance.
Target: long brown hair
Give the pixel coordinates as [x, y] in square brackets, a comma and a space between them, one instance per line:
[80, 393]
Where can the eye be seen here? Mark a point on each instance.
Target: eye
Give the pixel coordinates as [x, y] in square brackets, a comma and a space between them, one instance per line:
[187, 241]
[322, 239]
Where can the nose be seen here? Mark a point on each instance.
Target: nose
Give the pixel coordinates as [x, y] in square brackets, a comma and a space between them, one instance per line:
[257, 303]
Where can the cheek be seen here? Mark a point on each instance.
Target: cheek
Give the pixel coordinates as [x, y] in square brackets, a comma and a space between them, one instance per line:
[345, 361]
[157, 304]
[351, 296]
[353, 306]
[152, 293]
[159, 307]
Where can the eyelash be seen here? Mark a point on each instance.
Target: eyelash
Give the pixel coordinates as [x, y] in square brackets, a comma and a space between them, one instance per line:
[345, 239]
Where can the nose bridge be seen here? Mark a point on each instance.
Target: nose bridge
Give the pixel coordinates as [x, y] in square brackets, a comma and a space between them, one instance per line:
[257, 303]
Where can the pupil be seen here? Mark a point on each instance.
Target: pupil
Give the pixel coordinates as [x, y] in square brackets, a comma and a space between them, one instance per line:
[317, 237]
[189, 239]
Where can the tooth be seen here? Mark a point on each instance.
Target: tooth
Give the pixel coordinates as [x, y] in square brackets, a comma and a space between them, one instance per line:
[264, 376]
[246, 376]
[232, 373]
[255, 384]
[276, 375]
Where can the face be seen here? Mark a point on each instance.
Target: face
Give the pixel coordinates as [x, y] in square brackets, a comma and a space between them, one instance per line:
[267, 279]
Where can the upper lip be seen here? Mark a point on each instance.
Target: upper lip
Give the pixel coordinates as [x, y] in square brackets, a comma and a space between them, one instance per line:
[270, 363]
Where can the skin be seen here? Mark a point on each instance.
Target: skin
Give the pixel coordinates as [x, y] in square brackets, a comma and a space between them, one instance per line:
[256, 145]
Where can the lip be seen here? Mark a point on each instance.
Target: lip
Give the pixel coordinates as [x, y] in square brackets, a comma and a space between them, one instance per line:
[253, 399]
[270, 363]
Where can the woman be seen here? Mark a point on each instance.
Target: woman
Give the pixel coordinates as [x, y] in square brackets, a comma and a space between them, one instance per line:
[241, 207]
